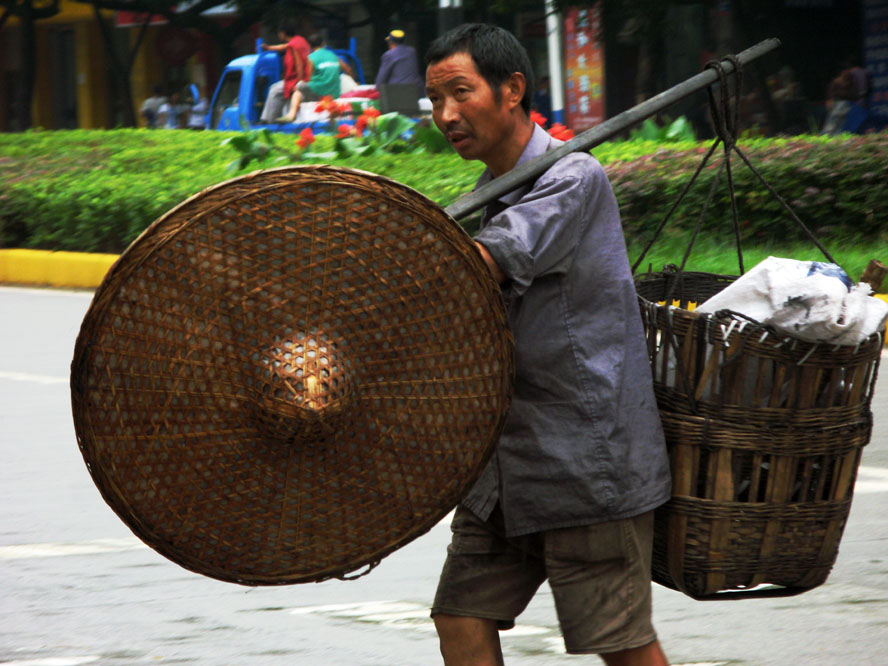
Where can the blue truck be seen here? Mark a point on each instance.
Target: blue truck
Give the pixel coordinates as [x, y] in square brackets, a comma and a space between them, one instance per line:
[240, 94]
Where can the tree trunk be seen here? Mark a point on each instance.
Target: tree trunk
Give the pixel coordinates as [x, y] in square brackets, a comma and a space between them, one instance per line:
[25, 89]
[121, 72]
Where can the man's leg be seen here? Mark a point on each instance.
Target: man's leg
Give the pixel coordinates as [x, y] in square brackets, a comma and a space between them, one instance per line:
[646, 655]
[295, 101]
[600, 577]
[468, 641]
[274, 103]
[486, 582]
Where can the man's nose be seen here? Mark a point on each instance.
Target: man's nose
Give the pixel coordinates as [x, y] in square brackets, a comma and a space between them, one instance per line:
[449, 111]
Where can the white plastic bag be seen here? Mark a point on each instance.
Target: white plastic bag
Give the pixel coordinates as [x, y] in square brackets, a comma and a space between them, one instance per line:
[810, 300]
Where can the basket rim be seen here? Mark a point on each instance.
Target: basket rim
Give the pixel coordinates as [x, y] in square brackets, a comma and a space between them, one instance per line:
[747, 325]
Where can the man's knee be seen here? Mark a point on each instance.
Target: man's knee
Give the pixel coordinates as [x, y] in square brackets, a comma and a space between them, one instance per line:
[468, 641]
[646, 655]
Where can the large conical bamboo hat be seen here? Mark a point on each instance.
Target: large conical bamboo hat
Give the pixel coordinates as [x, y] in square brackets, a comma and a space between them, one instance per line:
[291, 374]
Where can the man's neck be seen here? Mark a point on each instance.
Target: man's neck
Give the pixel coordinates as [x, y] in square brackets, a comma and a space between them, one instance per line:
[507, 160]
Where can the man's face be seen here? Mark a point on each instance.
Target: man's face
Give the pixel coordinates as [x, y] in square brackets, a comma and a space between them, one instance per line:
[466, 110]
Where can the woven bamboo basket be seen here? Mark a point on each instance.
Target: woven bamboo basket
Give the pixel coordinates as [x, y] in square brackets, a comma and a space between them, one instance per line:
[764, 433]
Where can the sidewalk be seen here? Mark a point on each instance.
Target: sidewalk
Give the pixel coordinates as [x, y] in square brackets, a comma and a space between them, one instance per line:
[77, 270]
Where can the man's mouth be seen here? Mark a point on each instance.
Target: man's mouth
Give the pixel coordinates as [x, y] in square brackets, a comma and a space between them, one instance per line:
[457, 137]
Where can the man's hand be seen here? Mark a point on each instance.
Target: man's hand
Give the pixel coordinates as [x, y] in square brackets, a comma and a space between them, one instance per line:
[495, 270]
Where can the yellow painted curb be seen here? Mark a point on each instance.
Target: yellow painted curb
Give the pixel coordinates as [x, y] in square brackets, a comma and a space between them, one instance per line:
[55, 269]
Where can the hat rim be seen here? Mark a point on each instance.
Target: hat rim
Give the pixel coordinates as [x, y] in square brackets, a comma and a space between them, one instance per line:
[157, 536]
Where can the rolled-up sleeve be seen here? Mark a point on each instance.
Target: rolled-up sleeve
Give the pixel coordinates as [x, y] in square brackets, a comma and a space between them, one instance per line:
[538, 235]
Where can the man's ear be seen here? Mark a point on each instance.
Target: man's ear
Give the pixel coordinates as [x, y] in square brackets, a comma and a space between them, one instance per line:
[514, 88]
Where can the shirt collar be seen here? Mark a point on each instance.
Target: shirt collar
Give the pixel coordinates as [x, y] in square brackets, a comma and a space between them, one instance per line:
[540, 142]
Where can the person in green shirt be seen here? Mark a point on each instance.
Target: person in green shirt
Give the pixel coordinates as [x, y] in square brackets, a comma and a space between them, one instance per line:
[325, 69]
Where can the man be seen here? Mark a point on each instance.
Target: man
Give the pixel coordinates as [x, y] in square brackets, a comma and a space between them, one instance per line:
[197, 114]
[581, 463]
[325, 70]
[399, 63]
[296, 68]
[151, 106]
[170, 113]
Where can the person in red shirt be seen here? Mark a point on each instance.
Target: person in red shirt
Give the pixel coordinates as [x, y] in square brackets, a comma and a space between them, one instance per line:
[297, 67]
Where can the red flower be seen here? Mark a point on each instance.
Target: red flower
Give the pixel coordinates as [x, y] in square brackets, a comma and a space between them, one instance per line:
[361, 123]
[326, 104]
[341, 108]
[538, 118]
[561, 132]
[372, 112]
[306, 138]
[344, 131]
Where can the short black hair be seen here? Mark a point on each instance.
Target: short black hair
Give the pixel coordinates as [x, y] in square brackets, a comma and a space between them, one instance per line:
[288, 27]
[496, 52]
[315, 40]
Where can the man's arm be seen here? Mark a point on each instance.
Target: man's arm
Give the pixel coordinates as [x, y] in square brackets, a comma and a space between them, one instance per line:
[346, 67]
[385, 66]
[495, 270]
[274, 47]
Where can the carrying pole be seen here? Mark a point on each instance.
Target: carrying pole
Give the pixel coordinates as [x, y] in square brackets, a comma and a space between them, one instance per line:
[531, 170]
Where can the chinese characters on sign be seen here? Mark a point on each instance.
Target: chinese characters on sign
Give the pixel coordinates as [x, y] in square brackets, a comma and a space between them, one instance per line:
[875, 54]
[584, 78]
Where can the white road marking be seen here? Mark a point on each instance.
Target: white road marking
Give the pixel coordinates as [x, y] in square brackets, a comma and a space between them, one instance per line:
[407, 615]
[28, 377]
[60, 549]
[415, 617]
[52, 661]
[52, 291]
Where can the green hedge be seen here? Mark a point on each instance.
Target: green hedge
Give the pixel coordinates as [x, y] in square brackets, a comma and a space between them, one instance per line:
[837, 187]
[95, 191]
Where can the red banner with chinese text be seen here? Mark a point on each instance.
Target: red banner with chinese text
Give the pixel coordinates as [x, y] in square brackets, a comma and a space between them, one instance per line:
[584, 67]
[125, 19]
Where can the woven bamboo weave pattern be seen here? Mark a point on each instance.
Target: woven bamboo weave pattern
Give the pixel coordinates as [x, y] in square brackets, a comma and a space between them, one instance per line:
[764, 435]
[291, 374]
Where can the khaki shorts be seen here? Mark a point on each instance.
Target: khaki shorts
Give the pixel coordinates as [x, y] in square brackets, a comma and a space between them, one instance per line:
[600, 576]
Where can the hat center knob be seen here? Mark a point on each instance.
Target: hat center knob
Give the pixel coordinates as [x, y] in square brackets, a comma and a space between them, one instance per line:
[305, 384]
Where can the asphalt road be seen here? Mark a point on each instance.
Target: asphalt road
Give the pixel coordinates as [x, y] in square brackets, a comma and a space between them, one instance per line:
[78, 588]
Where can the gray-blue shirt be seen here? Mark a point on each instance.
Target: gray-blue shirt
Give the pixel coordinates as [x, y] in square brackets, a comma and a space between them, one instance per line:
[582, 442]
